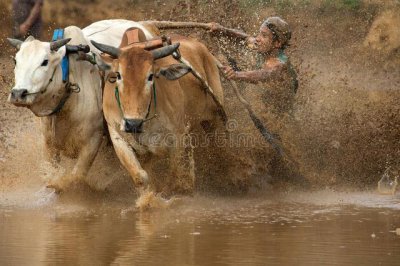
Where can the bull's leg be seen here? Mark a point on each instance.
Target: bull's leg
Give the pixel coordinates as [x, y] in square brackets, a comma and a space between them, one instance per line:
[52, 154]
[86, 157]
[48, 130]
[128, 159]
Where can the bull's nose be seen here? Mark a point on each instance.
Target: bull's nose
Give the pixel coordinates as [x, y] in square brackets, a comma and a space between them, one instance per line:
[18, 94]
[134, 125]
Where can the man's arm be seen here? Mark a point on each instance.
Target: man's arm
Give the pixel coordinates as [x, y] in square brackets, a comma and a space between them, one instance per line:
[33, 15]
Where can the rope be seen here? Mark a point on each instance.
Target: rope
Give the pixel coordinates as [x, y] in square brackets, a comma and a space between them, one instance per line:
[118, 101]
[69, 88]
[153, 98]
[208, 89]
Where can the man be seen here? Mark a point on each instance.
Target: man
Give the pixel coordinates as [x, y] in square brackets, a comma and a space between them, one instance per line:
[272, 85]
[273, 67]
[27, 18]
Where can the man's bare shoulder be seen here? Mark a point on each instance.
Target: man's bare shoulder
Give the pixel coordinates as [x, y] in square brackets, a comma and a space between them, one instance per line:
[274, 64]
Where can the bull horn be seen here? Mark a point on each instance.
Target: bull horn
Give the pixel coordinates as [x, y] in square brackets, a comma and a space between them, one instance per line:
[165, 51]
[55, 45]
[15, 42]
[108, 49]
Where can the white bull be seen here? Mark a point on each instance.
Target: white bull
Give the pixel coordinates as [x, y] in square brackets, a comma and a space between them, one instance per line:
[71, 123]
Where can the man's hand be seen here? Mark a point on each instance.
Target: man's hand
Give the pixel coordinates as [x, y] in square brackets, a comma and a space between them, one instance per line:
[251, 42]
[23, 29]
[215, 27]
[229, 72]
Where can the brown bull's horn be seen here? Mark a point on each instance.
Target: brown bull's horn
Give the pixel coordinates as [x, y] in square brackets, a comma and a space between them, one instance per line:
[165, 51]
[15, 42]
[110, 50]
[55, 45]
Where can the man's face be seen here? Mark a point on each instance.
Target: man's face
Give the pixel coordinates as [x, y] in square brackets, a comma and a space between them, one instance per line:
[264, 40]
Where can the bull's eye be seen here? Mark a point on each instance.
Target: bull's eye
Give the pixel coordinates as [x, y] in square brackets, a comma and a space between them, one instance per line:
[150, 78]
[14, 60]
[45, 62]
[112, 79]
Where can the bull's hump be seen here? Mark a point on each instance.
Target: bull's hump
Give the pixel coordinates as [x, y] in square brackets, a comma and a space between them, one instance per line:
[113, 26]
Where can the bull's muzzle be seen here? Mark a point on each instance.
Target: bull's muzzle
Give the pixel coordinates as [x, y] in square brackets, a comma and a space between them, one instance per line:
[133, 125]
[18, 96]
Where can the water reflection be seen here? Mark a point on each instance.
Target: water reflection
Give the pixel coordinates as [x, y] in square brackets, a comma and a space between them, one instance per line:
[200, 231]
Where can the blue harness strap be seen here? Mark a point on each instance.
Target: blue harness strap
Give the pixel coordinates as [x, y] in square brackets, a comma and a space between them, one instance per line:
[58, 34]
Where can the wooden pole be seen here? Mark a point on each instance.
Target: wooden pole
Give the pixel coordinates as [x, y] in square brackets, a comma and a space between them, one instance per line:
[178, 25]
[167, 25]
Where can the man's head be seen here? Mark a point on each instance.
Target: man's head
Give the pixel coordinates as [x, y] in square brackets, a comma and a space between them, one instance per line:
[274, 34]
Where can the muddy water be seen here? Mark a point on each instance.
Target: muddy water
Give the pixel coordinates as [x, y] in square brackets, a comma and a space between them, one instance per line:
[284, 229]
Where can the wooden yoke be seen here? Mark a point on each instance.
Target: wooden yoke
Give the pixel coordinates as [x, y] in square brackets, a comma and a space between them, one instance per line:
[131, 36]
[136, 37]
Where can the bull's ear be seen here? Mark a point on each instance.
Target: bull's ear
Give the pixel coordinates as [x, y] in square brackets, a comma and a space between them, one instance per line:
[174, 72]
[30, 38]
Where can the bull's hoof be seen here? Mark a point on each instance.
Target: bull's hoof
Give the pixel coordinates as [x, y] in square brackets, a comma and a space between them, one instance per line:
[63, 183]
[143, 178]
[149, 200]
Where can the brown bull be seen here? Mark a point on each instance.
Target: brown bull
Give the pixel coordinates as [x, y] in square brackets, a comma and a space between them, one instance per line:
[149, 95]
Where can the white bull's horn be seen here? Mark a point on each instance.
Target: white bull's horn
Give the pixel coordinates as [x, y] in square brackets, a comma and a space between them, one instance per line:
[108, 49]
[55, 45]
[15, 42]
[165, 51]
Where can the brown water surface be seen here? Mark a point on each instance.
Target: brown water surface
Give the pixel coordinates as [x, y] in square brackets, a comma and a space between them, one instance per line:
[298, 228]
